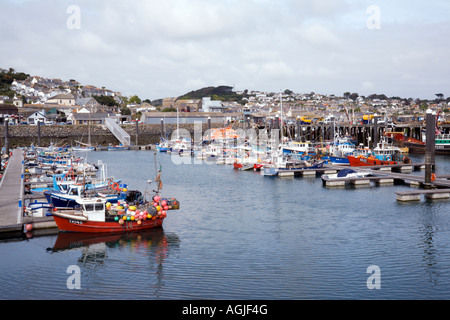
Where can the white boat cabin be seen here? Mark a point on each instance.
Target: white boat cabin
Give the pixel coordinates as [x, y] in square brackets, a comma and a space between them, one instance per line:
[93, 208]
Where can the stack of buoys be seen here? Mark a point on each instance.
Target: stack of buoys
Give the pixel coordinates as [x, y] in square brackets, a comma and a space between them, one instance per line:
[127, 213]
[160, 206]
[167, 204]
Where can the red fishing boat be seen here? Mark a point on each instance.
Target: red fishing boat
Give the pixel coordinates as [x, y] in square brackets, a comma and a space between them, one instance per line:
[383, 155]
[361, 161]
[97, 216]
[258, 166]
[237, 165]
[414, 145]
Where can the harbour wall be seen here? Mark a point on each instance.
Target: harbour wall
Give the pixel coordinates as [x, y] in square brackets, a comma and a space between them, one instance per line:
[147, 134]
[44, 135]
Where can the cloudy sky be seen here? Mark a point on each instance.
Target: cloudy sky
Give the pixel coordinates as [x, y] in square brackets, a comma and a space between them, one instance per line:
[166, 48]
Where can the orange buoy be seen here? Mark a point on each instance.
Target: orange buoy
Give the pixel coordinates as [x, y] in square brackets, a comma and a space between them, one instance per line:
[433, 177]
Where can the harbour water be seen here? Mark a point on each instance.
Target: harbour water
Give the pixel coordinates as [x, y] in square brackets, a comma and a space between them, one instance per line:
[241, 235]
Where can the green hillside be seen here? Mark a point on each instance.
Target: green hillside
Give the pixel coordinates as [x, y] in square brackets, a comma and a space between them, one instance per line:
[221, 93]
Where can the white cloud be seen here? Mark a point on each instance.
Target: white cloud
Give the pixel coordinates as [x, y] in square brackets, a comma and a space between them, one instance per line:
[319, 35]
[167, 48]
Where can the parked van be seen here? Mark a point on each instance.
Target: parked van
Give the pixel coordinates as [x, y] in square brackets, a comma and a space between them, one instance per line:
[305, 120]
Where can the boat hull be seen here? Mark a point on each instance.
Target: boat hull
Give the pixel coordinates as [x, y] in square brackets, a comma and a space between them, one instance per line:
[118, 148]
[364, 161]
[258, 166]
[273, 170]
[66, 223]
[343, 161]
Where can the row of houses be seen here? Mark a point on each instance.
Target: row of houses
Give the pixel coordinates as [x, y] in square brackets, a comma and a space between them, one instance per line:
[55, 116]
[14, 115]
[39, 90]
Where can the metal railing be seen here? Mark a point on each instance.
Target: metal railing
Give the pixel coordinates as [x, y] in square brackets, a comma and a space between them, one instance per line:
[118, 132]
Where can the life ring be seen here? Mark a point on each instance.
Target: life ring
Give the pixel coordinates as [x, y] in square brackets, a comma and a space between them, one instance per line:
[114, 185]
[388, 158]
[433, 177]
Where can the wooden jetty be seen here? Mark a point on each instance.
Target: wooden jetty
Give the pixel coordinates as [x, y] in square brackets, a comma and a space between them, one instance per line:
[12, 200]
[439, 188]
[11, 191]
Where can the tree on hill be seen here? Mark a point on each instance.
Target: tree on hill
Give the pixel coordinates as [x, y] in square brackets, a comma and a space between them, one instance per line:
[157, 102]
[222, 93]
[7, 78]
[378, 96]
[106, 101]
[354, 96]
[207, 92]
[440, 97]
[134, 99]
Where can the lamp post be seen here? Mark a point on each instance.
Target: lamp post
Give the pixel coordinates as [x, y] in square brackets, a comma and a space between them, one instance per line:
[429, 148]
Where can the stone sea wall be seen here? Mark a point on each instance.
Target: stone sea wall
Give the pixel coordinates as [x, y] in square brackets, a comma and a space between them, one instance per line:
[25, 135]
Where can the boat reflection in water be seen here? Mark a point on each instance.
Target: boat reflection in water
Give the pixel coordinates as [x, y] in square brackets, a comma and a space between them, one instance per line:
[106, 251]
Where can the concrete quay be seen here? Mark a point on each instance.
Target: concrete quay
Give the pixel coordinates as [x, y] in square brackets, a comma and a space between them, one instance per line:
[11, 194]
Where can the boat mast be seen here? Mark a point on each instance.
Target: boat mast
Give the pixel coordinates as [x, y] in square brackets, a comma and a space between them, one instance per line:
[178, 124]
[281, 118]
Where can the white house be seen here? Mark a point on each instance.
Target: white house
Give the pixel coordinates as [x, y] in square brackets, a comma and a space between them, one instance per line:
[38, 116]
[209, 105]
[62, 100]
[18, 102]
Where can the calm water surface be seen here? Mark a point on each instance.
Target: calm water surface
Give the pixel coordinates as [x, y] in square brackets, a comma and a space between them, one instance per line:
[240, 235]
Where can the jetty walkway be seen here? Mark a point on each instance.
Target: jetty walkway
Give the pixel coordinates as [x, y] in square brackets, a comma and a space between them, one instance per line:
[11, 194]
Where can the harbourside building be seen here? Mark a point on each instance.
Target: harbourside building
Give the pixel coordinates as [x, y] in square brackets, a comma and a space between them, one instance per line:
[188, 105]
[89, 103]
[80, 118]
[8, 112]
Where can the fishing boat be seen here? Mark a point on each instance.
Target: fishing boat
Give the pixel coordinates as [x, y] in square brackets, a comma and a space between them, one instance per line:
[382, 154]
[118, 147]
[294, 147]
[182, 147]
[274, 171]
[38, 209]
[68, 199]
[442, 144]
[361, 161]
[164, 146]
[339, 149]
[413, 145]
[83, 149]
[282, 165]
[97, 216]
[245, 161]
[258, 166]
